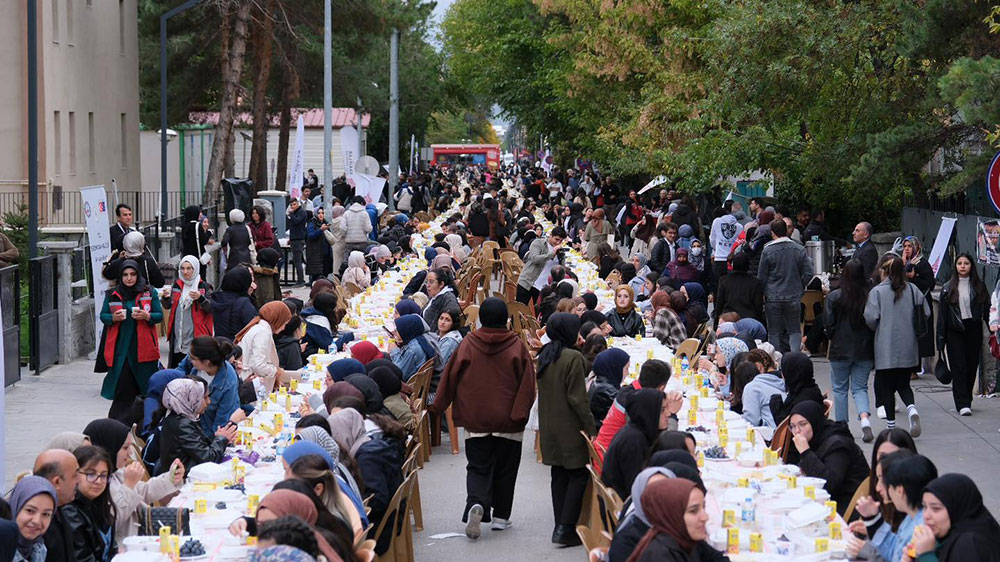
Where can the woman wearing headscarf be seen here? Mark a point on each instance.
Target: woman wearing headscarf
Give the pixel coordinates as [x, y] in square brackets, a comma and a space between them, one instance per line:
[232, 307]
[357, 271]
[627, 453]
[524, 243]
[919, 272]
[280, 503]
[316, 435]
[366, 352]
[634, 525]
[389, 385]
[266, 276]
[134, 248]
[338, 241]
[321, 321]
[681, 270]
[195, 235]
[697, 305]
[675, 508]
[440, 287]
[317, 248]
[68, 441]
[237, 241]
[957, 526]
[563, 412]
[190, 309]
[596, 233]
[800, 385]
[33, 504]
[609, 369]
[638, 282]
[181, 436]
[370, 391]
[667, 325]
[131, 349]
[625, 320]
[260, 356]
[826, 449]
[129, 493]
[412, 346]
[405, 306]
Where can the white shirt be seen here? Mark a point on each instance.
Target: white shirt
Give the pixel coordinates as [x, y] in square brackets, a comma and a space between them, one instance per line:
[964, 298]
[543, 277]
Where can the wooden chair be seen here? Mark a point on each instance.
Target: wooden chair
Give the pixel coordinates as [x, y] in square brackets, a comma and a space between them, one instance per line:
[352, 289]
[809, 301]
[471, 316]
[688, 347]
[401, 540]
[421, 381]
[861, 492]
[782, 439]
[595, 459]
[475, 241]
[592, 540]
[423, 435]
[614, 279]
[515, 308]
[410, 467]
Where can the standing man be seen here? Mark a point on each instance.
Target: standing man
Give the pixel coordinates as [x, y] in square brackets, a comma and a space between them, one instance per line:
[725, 230]
[785, 270]
[864, 250]
[538, 262]
[60, 468]
[296, 218]
[665, 249]
[490, 384]
[122, 227]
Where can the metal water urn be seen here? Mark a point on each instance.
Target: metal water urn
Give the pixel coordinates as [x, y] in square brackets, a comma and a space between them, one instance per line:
[821, 253]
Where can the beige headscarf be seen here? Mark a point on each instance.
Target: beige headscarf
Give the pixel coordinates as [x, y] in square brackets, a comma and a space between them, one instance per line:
[68, 440]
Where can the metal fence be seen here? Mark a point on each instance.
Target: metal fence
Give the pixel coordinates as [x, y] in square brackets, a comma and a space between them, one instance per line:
[57, 207]
[924, 224]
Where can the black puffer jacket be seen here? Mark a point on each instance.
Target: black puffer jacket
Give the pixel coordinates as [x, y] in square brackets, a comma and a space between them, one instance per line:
[182, 438]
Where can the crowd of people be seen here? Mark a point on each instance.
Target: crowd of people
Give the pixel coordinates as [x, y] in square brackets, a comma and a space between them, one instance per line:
[676, 270]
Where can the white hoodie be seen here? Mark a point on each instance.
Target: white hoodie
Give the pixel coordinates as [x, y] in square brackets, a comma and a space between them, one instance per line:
[725, 230]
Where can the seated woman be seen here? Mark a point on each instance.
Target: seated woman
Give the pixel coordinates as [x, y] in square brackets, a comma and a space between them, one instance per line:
[207, 359]
[315, 429]
[284, 502]
[190, 309]
[673, 440]
[440, 286]
[757, 393]
[181, 437]
[90, 517]
[667, 325]
[625, 320]
[260, 356]
[905, 475]
[800, 385]
[129, 493]
[691, 314]
[405, 306]
[310, 462]
[389, 386]
[412, 347]
[321, 321]
[627, 453]
[675, 508]
[357, 271]
[32, 505]
[827, 450]
[681, 270]
[635, 524]
[449, 330]
[957, 526]
[288, 346]
[365, 352]
[609, 367]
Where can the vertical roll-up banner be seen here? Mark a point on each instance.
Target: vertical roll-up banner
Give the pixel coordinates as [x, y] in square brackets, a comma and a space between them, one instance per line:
[349, 149]
[95, 212]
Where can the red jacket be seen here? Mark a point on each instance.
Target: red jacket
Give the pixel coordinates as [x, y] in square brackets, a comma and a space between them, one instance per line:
[491, 380]
[201, 314]
[263, 236]
[612, 424]
[146, 338]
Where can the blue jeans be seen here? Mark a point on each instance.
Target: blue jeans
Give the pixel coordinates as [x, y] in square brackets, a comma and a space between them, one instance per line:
[853, 374]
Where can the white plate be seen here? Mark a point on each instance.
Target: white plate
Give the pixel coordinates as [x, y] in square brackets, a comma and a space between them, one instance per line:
[227, 496]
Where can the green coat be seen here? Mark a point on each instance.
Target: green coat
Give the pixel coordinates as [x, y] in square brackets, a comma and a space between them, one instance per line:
[564, 410]
[126, 348]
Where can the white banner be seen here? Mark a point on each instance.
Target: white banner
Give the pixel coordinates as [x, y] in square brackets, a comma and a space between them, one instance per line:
[349, 148]
[658, 180]
[95, 213]
[941, 243]
[369, 187]
[298, 171]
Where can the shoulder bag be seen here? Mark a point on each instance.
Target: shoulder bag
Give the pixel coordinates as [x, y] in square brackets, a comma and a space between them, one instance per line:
[152, 518]
[920, 323]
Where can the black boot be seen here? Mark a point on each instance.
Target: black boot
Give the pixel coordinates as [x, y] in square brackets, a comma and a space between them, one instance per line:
[565, 535]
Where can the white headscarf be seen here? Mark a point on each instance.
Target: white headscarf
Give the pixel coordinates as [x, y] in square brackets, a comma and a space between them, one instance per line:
[454, 241]
[356, 259]
[134, 244]
[188, 286]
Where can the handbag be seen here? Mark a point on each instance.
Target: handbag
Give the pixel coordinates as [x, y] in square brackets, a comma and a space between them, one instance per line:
[941, 371]
[920, 323]
[205, 258]
[994, 346]
[177, 518]
[253, 247]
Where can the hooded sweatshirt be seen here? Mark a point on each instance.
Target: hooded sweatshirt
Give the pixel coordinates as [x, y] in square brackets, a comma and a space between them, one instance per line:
[489, 382]
[627, 453]
[757, 398]
[725, 230]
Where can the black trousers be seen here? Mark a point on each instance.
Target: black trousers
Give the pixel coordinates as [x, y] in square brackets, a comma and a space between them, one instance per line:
[491, 473]
[125, 394]
[568, 487]
[175, 359]
[964, 349]
[888, 383]
[719, 270]
[525, 296]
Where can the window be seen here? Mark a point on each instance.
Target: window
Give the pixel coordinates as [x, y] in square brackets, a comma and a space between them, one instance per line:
[124, 141]
[55, 21]
[72, 142]
[69, 22]
[121, 26]
[90, 142]
[57, 145]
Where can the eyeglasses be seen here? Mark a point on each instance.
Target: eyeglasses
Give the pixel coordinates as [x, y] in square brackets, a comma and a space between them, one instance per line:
[94, 477]
[801, 426]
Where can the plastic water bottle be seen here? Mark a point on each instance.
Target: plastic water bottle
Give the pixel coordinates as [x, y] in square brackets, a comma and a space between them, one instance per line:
[749, 512]
[685, 365]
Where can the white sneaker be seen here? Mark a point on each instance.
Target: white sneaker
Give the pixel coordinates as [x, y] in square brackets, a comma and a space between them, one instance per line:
[473, 529]
[965, 412]
[500, 524]
[880, 412]
[915, 424]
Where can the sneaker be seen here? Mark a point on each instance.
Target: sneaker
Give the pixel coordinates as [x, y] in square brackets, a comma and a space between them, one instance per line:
[500, 524]
[965, 412]
[472, 529]
[880, 412]
[915, 424]
[866, 434]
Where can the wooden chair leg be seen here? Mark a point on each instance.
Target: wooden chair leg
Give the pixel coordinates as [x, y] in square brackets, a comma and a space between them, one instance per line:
[415, 507]
[538, 449]
[435, 430]
[452, 431]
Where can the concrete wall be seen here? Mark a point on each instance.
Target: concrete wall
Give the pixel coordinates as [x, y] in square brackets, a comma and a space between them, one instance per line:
[13, 89]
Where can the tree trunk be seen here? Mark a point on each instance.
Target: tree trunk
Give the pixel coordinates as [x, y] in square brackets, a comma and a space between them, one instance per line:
[289, 93]
[233, 53]
[262, 50]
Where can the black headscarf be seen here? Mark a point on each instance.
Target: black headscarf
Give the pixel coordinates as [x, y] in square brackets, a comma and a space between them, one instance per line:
[388, 382]
[594, 316]
[268, 257]
[129, 293]
[326, 304]
[686, 472]
[376, 363]
[109, 435]
[590, 299]
[973, 530]
[643, 411]
[813, 413]
[797, 370]
[563, 329]
[628, 272]
[609, 365]
[237, 280]
[369, 389]
[493, 313]
[676, 456]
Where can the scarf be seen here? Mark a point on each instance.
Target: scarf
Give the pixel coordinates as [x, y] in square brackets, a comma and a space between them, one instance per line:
[631, 300]
[281, 553]
[407, 306]
[813, 413]
[659, 299]
[369, 389]
[184, 397]
[696, 293]
[563, 329]
[110, 435]
[188, 285]
[608, 365]
[288, 502]
[313, 440]
[339, 389]
[68, 441]
[343, 368]
[130, 293]
[970, 520]
[274, 313]
[134, 244]
[237, 280]
[639, 486]
[27, 488]
[365, 351]
[665, 502]
[730, 348]
[918, 249]
[388, 383]
[682, 271]
[800, 385]
[412, 327]
[348, 428]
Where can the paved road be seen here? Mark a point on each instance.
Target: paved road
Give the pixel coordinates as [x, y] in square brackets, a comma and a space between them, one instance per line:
[66, 397]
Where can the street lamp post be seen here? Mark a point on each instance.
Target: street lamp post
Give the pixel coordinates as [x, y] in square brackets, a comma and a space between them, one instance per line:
[393, 116]
[327, 109]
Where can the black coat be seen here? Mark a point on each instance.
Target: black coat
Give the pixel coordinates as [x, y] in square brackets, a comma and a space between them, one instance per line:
[665, 549]
[626, 455]
[838, 460]
[626, 538]
[380, 461]
[661, 255]
[231, 312]
[289, 352]
[628, 327]
[316, 248]
[118, 236]
[416, 284]
[182, 438]
[59, 540]
[148, 269]
[868, 256]
[88, 544]
[950, 315]
[849, 341]
[741, 293]
[237, 242]
[602, 395]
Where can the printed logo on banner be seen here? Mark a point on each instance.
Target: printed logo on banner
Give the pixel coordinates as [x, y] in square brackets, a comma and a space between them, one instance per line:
[86, 210]
[993, 182]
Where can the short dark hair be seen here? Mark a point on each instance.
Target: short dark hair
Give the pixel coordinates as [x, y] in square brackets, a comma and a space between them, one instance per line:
[313, 420]
[654, 374]
[779, 228]
[741, 262]
[913, 475]
[586, 328]
[290, 530]
[727, 205]
[358, 199]
[119, 207]
[558, 231]
[49, 471]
